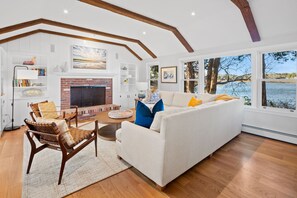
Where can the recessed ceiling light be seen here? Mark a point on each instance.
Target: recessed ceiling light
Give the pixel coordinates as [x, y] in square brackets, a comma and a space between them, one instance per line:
[193, 13]
[65, 11]
[144, 33]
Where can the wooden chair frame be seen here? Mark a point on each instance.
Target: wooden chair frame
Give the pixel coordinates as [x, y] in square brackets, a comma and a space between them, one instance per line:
[63, 112]
[66, 153]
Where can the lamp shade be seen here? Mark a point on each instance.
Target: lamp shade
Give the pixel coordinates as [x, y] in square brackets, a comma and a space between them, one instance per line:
[142, 86]
[27, 74]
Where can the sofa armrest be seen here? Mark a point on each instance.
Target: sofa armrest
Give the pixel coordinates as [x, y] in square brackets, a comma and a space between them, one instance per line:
[143, 149]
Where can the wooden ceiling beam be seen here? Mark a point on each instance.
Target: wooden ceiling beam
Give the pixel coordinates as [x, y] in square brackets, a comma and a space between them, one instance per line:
[70, 36]
[18, 36]
[139, 17]
[73, 27]
[248, 17]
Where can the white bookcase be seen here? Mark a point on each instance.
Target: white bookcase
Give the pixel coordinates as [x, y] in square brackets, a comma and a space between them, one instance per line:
[128, 90]
[28, 91]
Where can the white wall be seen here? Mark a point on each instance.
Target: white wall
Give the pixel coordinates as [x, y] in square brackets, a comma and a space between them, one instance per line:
[39, 45]
[259, 121]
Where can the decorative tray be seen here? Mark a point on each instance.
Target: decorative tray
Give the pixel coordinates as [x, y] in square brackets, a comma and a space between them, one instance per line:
[120, 114]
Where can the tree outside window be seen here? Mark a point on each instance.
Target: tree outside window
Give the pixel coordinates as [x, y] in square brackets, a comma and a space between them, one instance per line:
[191, 76]
[279, 80]
[154, 77]
[229, 75]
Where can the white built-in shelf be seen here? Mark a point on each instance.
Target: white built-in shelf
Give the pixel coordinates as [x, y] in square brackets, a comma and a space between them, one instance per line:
[33, 66]
[43, 97]
[30, 87]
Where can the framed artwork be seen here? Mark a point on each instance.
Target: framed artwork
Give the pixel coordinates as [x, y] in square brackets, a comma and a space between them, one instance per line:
[169, 74]
[88, 58]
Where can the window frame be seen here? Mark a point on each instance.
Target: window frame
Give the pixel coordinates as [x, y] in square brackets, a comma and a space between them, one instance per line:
[253, 56]
[260, 79]
[149, 65]
[182, 76]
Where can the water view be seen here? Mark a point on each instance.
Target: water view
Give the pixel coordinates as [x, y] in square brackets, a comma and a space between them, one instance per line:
[281, 95]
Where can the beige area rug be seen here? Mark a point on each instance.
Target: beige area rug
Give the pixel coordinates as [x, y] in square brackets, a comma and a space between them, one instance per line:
[80, 171]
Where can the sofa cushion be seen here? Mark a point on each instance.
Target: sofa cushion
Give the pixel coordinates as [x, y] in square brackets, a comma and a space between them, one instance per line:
[181, 99]
[156, 124]
[119, 135]
[194, 102]
[208, 104]
[144, 116]
[224, 97]
[167, 108]
[167, 97]
[206, 97]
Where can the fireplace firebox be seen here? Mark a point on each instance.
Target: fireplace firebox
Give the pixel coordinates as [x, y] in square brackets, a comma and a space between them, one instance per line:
[85, 96]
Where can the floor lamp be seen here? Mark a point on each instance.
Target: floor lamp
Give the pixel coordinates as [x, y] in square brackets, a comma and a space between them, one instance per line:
[22, 74]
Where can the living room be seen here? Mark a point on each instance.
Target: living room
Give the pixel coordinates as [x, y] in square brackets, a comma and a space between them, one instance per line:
[222, 74]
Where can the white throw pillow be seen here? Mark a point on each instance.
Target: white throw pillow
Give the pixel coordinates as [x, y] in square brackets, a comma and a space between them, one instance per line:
[206, 97]
[182, 99]
[156, 124]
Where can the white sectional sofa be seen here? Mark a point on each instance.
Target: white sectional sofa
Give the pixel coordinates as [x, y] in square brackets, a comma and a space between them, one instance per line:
[185, 138]
[176, 100]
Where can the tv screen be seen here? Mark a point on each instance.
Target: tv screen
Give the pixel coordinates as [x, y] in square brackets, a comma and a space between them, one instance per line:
[86, 96]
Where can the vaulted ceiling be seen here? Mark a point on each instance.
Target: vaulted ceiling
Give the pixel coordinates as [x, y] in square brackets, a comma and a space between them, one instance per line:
[216, 23]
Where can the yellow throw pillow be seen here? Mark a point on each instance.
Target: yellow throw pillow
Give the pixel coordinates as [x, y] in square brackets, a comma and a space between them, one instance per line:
[194, 102]
[48, 110]
[224, 97]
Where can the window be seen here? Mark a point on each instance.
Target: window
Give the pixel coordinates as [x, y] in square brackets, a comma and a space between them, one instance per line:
[279, 80]
[154, 77]
[229, 75]
[191, 76]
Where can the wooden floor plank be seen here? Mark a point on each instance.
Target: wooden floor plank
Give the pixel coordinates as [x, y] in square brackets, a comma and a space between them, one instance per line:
[248, 166]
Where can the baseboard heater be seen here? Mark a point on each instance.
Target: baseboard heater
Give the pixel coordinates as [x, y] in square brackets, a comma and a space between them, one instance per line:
[279, 135]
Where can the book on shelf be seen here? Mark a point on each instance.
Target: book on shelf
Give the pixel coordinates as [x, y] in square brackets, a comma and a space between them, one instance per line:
[41, 71]
[22, 83]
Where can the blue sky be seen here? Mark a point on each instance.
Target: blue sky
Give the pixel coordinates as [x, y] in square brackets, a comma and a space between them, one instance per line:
[287, 67]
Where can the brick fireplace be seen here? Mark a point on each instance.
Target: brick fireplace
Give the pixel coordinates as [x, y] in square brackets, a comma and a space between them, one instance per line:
[66, 83]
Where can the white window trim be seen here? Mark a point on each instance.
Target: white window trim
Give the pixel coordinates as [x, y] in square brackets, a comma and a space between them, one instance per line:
[260, 79]
[148, 66]
[182, 62]
[253, 71]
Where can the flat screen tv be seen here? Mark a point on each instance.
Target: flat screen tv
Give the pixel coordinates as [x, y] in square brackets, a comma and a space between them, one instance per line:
[86, 96]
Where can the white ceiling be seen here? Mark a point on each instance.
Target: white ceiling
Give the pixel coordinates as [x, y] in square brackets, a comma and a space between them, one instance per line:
[217, 23]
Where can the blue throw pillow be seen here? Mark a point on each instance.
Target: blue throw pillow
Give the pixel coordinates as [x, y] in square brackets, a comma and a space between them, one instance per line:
[144, 116]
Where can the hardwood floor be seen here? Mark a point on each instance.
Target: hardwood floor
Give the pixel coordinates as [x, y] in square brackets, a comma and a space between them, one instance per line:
[248, 166]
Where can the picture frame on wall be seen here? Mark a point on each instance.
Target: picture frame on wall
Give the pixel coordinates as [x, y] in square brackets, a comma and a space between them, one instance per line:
[88, 58]
[169, 74]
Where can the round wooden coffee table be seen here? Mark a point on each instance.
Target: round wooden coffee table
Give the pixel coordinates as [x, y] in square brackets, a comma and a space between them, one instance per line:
[108, 132]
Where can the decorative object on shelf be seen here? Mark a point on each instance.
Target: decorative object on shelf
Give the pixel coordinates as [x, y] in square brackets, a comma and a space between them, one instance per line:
[32, 92]
[30, 62]
[64, 68]
[124, 68]
[57, 69]
[169, 74]
[37, 84]
[142, 88]
[24, 75]
[88, 58]
[120, 114]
